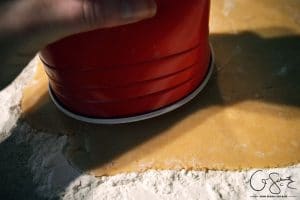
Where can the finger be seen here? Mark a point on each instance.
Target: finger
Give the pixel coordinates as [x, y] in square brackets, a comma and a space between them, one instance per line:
[116, 12]
[84, 15]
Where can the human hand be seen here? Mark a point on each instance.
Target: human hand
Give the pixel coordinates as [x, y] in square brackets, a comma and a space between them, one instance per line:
[28, 25]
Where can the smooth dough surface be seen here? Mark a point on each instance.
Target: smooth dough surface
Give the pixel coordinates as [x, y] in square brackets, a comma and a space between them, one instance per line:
[248, 116]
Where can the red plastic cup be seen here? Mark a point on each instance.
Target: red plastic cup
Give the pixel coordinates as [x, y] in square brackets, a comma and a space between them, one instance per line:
[132, 72]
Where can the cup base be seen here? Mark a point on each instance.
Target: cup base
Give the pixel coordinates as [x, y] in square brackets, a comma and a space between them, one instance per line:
[141, 117]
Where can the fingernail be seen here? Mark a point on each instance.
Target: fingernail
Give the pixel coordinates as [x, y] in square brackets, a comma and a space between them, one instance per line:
[138, 9]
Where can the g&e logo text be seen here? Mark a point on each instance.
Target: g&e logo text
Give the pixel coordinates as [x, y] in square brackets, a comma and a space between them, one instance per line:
[271, 185]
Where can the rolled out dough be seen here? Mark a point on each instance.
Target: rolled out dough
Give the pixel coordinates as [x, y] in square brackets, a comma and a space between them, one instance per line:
[248, 116]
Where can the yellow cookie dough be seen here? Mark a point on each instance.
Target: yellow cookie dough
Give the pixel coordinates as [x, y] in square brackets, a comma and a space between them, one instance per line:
[248, 116]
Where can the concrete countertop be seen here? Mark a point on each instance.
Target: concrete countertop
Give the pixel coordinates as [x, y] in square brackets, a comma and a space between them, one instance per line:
[257, 44]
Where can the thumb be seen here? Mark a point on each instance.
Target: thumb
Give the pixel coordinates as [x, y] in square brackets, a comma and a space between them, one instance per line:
[72, 16]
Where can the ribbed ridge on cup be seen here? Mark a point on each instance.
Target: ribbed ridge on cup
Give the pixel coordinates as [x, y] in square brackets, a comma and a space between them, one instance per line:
[136, 98]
